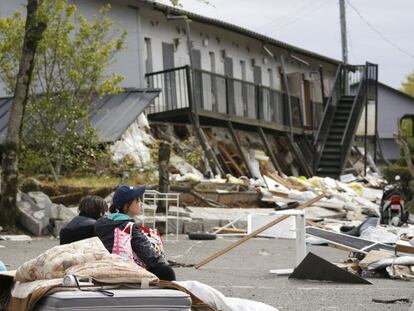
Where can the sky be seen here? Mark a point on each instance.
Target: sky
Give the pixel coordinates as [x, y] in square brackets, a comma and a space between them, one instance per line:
[379, 31]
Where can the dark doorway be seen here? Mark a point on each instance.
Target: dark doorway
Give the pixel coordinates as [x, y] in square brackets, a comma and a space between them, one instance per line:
[228, 72]
[257, 79]
[198, 78]
[169, 77]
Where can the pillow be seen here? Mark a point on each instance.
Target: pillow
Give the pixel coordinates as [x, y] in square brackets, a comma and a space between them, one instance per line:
[113, 269]
[54, 262]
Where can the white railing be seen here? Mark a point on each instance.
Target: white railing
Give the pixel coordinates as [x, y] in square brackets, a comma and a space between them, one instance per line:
[152, 199]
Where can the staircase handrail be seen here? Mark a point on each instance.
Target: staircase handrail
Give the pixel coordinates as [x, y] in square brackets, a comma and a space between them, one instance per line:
[367, 90]
[358, 102]
[329, 103]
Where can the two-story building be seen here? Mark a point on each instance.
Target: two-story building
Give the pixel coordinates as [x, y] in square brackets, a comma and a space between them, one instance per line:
[237, 80]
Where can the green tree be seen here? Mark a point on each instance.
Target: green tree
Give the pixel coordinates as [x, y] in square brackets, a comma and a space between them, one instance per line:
[70, 71]
[407, 86]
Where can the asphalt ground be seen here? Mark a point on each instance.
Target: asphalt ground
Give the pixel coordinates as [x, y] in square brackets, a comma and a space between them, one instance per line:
[244, 273]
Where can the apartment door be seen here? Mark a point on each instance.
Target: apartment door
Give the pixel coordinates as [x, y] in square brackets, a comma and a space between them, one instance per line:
[198, 78]
[307, 102]
[228, 72]
[257, 79]
[170, 86]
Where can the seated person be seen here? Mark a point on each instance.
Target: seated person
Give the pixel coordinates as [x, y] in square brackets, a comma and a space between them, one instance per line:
[127, 203]
[83, 226]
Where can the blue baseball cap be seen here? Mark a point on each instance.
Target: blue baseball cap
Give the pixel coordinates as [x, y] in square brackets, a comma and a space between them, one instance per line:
[125, 194]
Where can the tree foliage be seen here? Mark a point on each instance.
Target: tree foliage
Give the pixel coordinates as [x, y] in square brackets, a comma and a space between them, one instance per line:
[407, 86]
[70, 72]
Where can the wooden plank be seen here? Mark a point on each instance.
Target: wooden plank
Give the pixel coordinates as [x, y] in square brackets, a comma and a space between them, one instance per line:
[239, 148]
[268, 149]
[219, 230]
[280, 180]
[404, 247]
[228, 157]
[278, 193]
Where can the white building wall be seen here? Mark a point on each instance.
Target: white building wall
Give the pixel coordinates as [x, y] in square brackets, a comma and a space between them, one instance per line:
[142, 23]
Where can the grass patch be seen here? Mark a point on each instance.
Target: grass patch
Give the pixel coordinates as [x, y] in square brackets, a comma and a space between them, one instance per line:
[99, 181]
[86, 181]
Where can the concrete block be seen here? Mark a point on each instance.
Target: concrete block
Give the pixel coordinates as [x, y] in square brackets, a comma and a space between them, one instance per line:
[32, 217]
[42, 201]
[193, 226]
[172, 224]
[60, 211]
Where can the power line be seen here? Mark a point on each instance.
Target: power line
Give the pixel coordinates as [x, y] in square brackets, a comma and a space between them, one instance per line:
[288, 15]
[379, 33]
[302, 16]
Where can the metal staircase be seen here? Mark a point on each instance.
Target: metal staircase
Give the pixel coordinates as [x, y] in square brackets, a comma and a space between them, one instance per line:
[354, 86]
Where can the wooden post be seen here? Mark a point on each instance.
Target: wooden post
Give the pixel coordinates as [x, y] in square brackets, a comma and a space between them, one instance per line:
[256, 232]
[164, 153]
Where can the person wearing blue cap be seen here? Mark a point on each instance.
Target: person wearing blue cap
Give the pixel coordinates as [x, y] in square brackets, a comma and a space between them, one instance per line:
[127, 203]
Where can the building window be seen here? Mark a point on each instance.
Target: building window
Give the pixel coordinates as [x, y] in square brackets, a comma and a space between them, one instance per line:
[271, 78]
[243, 70]
[148, 55]
[212, 61]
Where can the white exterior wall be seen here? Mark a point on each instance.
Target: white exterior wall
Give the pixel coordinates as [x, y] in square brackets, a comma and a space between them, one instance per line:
[143, 22]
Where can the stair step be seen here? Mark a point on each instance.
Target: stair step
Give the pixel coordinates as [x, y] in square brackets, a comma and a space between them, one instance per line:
[331, 157]
[333, 165]
[329, 171]
[332, 149]
[347, 97]
[334, 136]
[335, 145]
[336, 131]
[342, 113]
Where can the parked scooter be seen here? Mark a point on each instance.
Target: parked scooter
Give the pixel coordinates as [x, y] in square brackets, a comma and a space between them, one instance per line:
[392, 210]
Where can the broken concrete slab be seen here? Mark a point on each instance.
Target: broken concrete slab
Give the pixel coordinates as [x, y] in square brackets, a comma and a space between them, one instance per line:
[15, 237]
[61, 212]
[32, 217]
[42, 201]
[316, 268]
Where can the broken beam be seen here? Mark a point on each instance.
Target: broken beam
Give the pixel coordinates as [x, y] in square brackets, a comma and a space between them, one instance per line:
[269, 150]
[238, 146]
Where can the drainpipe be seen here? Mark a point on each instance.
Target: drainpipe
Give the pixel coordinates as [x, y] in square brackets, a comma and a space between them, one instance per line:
[213, 161]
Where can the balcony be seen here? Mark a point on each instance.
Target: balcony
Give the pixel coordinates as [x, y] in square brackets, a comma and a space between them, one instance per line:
[220, 99]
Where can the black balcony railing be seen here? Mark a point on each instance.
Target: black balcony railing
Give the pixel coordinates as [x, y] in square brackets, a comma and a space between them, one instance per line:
[221, 94]
[175, 91]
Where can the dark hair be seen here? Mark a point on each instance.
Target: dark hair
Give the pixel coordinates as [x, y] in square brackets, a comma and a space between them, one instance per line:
[92, 206]
[113, 209]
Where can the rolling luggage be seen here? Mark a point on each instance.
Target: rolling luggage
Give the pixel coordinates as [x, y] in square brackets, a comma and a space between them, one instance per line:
[122, 299]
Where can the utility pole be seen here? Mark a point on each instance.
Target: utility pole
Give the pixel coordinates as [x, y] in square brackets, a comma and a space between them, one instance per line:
[343, 31]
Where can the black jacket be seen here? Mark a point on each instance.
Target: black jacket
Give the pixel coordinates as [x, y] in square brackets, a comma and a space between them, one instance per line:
[78, 228]
[105, 227]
